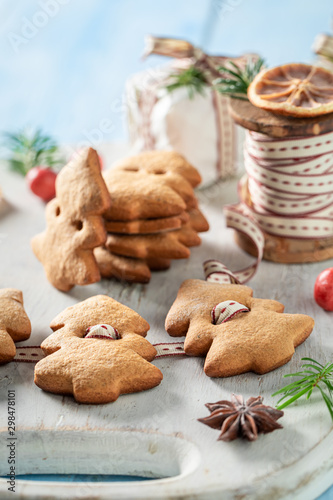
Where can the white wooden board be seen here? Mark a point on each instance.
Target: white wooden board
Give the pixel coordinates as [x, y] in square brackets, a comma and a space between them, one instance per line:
[156, 433]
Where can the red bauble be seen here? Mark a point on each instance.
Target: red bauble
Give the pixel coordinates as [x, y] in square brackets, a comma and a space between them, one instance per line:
[323, 289]
[41, 181]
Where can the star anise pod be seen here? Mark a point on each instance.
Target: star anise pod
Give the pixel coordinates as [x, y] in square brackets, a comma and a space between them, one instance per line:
[236, 418]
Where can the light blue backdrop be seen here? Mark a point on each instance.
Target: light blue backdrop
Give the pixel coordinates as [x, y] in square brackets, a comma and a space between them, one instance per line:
[63, 63]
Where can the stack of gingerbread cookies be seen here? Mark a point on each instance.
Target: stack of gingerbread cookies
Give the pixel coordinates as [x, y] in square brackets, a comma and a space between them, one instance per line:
[153, 217]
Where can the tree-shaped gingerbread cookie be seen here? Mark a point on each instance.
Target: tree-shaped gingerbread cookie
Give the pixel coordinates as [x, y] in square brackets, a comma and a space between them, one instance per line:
[15, 325]
[74, 224]
[97, 352]
[236, 332]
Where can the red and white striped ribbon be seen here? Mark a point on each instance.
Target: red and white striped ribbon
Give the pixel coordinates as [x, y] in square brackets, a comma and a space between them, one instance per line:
[29, 354]
[226, 310]
[290, 183]
[102, 331]
[169, 349]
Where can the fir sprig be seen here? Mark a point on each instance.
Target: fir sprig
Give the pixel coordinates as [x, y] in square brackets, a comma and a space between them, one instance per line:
[28, 149]
[313, 376]
[239, 79]
[192, 78]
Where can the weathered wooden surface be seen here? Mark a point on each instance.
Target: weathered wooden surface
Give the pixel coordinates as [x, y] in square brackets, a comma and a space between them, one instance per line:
[156, 433]
[260, 120]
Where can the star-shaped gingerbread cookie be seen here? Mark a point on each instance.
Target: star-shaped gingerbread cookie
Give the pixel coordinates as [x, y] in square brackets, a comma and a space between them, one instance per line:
[97, 352]
[15, 325]
[236, 332]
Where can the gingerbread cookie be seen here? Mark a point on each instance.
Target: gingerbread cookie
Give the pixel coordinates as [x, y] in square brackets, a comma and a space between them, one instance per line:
[126, 268]
[198, 221]
[97, 352]
[159, 162]
[158, 264]
[168, 245]
[74, 320]
[143, 195]
[236, 332]
[74, 224]
[15, 325]
[97, 371]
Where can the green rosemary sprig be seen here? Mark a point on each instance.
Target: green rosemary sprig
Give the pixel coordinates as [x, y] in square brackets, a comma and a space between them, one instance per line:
[239, 79]
[313, 376]
[28, 149]
[192, 78]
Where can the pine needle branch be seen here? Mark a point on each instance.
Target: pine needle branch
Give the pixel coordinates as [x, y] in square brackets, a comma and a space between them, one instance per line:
[28, 149]
[192, 78]
[313, 376]
[237, 80]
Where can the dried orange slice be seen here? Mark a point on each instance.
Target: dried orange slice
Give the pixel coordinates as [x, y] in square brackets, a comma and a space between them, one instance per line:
[299, 90]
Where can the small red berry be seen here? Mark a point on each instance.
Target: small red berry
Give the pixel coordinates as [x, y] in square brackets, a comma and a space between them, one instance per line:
[41, 181]
[323, 289]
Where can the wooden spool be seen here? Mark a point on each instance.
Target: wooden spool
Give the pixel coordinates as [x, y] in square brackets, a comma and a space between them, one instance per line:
[279, 249]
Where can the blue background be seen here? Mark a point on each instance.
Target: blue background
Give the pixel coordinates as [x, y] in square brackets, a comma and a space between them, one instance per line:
[67, 74]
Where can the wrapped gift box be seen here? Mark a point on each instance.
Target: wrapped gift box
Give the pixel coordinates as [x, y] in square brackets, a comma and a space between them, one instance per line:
[197, 126]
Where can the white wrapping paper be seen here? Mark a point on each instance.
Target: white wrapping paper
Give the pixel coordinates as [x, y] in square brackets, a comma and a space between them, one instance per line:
[199, 128]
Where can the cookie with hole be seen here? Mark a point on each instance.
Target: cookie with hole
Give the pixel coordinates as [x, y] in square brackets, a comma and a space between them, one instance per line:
[74, 224]
[96, 352]
[160, 162]
[139, 194]
[236, 332]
